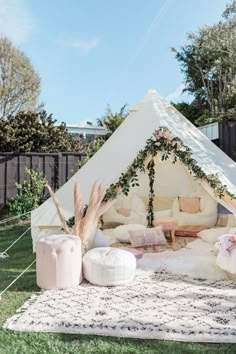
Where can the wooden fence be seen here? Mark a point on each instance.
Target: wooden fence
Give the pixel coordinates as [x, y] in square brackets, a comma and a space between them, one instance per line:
[57, 167]
[227, 138]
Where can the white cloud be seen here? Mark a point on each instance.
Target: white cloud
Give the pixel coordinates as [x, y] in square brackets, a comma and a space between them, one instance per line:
[84, 45]
[173, 96]
[16, 21]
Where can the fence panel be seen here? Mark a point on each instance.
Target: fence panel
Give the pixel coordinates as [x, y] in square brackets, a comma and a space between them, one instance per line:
[57, 167]
[3, 183]
[227, 138]
[11, 170]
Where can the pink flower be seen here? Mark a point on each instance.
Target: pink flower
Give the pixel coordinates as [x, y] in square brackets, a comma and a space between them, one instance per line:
[174, 143]
[168, 136]
[157, 143]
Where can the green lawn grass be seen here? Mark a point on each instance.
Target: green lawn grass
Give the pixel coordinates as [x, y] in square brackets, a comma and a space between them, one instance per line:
[26, 343]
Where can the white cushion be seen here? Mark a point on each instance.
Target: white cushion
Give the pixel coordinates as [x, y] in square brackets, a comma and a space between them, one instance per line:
[106, 266]
[207, 216]
[201, 245]
[134, 204]
[211, 235]
[121, 233]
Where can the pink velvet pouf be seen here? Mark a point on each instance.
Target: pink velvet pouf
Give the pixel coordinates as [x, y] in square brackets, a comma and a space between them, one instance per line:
[58, 262]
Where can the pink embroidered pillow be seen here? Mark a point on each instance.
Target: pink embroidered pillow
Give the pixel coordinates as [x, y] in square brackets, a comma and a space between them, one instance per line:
[147, 237]
[189, 205]
[123, 211]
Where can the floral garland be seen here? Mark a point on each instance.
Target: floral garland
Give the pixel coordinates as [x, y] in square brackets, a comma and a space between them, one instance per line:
[151, 175]
[162, 142]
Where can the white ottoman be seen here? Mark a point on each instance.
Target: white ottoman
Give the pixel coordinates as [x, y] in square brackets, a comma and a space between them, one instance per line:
[58, 262]
[107, 266]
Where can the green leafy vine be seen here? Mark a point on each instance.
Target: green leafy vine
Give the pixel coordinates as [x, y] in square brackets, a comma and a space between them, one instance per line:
[168, 146]
[151, 175]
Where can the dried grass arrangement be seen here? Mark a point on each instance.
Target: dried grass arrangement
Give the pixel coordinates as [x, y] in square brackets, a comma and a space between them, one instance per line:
[85, 225]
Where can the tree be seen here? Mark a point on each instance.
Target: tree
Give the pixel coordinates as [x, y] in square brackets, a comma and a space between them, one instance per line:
[194, 111]
[19, 83]
[111, 121]
[36, 132]
[209, 64]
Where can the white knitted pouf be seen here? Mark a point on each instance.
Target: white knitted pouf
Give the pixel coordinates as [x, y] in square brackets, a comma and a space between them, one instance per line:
[107, 266]
[58, 262]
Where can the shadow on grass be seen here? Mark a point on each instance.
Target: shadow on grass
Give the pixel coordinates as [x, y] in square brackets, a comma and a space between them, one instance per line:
[27, 283]
[136, 345]
[20, 257]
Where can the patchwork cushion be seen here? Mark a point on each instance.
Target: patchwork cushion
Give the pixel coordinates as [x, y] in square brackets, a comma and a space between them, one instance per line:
[189, 205]
[147, 237]
[107, 266]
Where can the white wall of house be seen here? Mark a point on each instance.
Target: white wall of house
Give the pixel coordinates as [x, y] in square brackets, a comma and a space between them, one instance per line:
[87, 130]
[210, 130]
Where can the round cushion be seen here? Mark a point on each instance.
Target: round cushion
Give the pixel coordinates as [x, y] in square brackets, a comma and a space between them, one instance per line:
[58, 262]
[107, 266]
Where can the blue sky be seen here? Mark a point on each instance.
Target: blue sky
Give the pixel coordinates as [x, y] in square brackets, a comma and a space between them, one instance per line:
[94, 52]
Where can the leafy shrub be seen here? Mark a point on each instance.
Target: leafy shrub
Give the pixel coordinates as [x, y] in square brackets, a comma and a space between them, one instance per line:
[30, 194]
[91, 148]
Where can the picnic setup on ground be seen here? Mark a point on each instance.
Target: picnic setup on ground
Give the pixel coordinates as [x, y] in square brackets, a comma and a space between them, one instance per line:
[141, 241]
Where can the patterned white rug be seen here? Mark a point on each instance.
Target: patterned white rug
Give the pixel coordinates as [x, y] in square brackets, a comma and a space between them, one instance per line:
[154, 305]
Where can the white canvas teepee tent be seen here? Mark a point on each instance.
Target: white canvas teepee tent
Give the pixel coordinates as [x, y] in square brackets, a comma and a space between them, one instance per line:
[123, 146]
